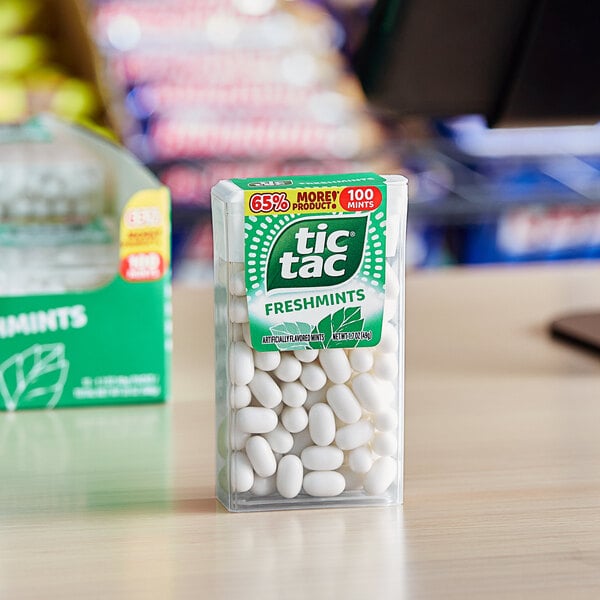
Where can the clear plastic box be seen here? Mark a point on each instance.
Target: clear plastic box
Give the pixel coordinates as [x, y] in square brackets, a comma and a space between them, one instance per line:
[85, 295]
[58, 221]
[303, 267]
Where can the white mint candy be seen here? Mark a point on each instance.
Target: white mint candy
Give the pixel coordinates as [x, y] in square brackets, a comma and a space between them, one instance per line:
[241, 363]
[294, 419]
[381, 475]
[238, 438]
[386, 420]
[280, 439]
[306, 356]
[267, 361]
[368, 392]
[235, 267]
[392, 283]
[344, 403]
[388, 392]
[386, 366]
[313, 377]
[221, 274]
[237, 333]
[261, 456]
[238, 309]
[322, 458]
[389, 339]
[390, 309]
[352, 436]
[242, 474]
[360, 460]
[289, 368]
[240, 396]
[263, 486]
[361, 359]
[265, 389]
[321, 424]
[335, 364]
[289, 476]
[384, 443]
[246, 334]
[294, 393]
[256, 419]
[324, 483]
[237, 283]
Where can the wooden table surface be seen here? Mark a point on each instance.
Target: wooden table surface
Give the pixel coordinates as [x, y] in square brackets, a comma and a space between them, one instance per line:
[502, 487]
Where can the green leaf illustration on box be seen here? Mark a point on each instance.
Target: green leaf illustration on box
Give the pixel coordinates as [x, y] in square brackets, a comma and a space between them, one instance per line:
[296, 328]
[345, 320]
[37, 374]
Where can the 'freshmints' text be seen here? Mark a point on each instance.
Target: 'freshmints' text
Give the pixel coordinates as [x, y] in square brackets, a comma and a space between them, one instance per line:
[286, 306]
[41, 321]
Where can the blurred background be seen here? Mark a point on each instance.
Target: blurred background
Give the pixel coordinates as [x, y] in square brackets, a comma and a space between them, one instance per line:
[490, 108]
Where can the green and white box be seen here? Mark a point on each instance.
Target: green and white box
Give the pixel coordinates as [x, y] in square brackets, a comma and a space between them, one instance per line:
[309, 322]
[85, 294]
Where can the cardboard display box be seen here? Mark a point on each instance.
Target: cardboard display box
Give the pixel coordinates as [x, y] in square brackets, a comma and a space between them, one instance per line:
[85, 296]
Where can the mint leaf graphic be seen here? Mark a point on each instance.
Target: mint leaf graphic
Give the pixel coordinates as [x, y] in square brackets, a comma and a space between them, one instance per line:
[344, 320]
[37, 374]
[296, 328]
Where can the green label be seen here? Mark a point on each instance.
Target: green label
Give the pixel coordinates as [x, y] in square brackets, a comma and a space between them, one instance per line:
[315, 261]
[105, 346]
[316, 252]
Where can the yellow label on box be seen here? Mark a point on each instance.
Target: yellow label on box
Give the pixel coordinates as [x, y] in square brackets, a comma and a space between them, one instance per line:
[144, 236]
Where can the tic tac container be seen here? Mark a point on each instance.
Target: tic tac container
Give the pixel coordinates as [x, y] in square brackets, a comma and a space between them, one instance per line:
[309, 333]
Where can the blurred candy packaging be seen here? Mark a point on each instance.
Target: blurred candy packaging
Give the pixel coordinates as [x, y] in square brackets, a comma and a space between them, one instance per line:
[228, 88]
[84, 271]
[48, 63]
